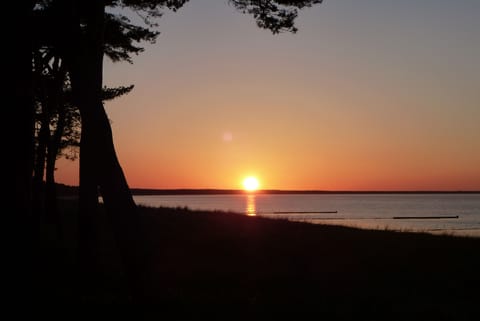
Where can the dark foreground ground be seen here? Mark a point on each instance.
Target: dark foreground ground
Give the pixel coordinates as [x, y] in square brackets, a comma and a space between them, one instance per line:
[214, 261]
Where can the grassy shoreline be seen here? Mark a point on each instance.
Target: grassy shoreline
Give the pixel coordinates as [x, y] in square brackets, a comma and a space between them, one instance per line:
[214, 259]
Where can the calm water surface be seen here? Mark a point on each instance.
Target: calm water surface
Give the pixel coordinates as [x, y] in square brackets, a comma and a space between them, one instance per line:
[435, 213]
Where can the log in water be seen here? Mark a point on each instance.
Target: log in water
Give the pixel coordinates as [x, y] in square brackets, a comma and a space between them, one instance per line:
[306, 212]
[422, 217]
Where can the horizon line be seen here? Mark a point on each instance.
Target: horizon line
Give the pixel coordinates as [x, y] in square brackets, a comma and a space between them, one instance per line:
[199, 191]
[159, 191]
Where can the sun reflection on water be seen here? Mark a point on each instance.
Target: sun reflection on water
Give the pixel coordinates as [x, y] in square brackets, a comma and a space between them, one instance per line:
[251, 209]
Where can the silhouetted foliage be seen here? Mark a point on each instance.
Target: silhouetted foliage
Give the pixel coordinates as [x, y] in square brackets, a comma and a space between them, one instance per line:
[115, 92]
[70, 39]
[57, 128]
[56, 116]
[276, 15]
[120, 36]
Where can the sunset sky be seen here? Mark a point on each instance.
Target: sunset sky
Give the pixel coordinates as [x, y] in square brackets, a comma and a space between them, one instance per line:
[368, 95]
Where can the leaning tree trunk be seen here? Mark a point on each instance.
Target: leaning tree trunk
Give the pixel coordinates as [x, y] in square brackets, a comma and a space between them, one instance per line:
[100, 169]
[98, 157]
[50, 189]
[58, 104]
[99, 166]
[39, 165]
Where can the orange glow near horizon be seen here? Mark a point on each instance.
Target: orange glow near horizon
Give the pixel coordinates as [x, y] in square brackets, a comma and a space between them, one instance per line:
[319, 173]
[383, 107]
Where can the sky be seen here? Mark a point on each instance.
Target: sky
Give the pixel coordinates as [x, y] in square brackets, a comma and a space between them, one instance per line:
[367, 95]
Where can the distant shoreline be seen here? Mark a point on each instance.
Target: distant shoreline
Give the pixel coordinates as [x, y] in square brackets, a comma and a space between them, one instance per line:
[73, 190]
[144, 191]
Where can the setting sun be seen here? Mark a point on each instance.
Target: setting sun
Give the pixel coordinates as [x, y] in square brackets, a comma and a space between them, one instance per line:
[251, 184]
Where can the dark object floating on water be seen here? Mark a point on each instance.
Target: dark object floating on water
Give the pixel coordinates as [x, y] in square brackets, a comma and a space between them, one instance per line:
[316, 212]
[422, 217]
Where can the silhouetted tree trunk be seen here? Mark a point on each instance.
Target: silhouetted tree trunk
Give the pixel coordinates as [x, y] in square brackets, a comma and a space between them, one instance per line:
[99, 166]
[50, 188]
[54, 142]
[39, 164]
[43, 139]
[98, 153]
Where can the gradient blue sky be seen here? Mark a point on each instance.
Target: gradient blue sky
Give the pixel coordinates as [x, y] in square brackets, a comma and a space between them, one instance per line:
[371, 94]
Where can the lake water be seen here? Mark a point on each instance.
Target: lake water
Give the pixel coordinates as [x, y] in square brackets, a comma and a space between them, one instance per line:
[457, 214]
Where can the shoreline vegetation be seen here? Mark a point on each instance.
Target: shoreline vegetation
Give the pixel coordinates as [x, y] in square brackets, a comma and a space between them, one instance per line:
[203, 260]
